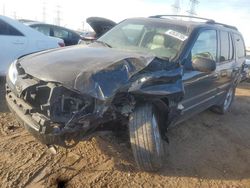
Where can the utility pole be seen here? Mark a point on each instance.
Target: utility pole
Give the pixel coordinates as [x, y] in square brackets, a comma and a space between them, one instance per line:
[44, 11]
[193, 4]
[4, 9]
[58, 15]
[14, 15]
[83, 25]
[176, 7]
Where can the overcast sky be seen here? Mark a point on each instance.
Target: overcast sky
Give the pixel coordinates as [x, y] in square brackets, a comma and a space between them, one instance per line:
[74, 12]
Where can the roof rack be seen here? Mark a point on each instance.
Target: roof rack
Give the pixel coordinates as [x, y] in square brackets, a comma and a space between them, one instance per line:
[208, 21]
[182, 16]
[225, 25]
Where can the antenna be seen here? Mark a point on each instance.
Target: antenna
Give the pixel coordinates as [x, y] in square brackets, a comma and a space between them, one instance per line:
[193, 4]
[176, 7]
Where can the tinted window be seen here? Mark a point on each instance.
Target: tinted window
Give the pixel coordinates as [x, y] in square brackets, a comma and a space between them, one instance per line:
[226, 47]
[60, 33]
[6, 29]
[240, 47]
[224, 50]
[206, 45]
[73, 36]
[43, 29]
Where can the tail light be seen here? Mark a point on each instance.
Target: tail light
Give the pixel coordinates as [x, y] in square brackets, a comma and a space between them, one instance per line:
[61, 44]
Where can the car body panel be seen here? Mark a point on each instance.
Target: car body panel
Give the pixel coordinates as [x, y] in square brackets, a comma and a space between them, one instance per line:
[69, 37]
[100, 25]
[11, 48]
[28, 42]
[91, 67]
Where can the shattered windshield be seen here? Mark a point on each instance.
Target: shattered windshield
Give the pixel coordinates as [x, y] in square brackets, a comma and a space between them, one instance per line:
[159, 38]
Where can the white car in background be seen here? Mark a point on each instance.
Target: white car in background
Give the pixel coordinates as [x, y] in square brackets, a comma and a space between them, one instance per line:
[17, 39]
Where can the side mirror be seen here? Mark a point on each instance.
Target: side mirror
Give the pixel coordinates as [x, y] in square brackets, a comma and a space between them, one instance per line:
[204, 64]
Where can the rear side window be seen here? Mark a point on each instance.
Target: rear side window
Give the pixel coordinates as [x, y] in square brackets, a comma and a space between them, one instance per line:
[226, 50]
[60, 33]
[73, 35]
[6, 29]
[240, 47]
[206, 45]
[42, 28]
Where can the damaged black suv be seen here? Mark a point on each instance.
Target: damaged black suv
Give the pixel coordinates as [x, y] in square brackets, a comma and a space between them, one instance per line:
[150, 73]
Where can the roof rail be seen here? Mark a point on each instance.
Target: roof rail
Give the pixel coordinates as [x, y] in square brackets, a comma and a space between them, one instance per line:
[208, 21]
[225, 25]
[182, 16]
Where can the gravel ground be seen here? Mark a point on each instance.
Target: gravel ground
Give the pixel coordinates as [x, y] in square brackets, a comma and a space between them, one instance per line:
[208, 150]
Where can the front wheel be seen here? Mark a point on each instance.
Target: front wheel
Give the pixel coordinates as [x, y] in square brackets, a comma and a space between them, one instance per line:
[145, 138]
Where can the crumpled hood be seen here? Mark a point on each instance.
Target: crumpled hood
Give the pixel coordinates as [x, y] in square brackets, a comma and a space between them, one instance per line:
[70, 66]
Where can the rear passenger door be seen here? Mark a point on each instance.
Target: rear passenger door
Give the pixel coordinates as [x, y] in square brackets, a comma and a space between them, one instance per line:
[226, 64]
[240, 53]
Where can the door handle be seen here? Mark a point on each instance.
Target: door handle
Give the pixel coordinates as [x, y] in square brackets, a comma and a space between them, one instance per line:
[216, 75]
[223, 73]
[18, 42]
[236, 69]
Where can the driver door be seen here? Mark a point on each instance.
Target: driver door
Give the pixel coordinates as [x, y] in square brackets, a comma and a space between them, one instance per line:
[200, 87]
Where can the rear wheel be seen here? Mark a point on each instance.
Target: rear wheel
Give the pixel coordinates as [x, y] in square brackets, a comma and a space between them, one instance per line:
[226, 103]
[145, 138]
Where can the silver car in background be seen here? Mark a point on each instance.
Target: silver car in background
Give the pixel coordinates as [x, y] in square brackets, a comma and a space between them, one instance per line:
[18, 39]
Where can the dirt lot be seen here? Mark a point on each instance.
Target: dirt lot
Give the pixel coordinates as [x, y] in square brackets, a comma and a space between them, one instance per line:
[208, 150]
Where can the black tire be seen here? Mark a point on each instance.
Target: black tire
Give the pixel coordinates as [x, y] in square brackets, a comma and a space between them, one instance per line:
[145, 138]
[226, 102]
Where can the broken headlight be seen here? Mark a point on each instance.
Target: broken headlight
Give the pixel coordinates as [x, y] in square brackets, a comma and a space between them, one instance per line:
[13, 73]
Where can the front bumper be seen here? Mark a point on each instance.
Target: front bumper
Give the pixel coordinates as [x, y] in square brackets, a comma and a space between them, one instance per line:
[21, 111]
[42, 128]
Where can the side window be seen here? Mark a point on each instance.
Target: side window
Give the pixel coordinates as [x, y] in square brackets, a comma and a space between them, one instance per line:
[43, 29]
[76, 36]
[226, 51]
[206, 45]
[60, 33]
[6, 29]
[240, 47]
[73, 36]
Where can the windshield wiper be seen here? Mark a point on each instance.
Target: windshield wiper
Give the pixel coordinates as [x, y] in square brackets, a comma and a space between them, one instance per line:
[103, 43]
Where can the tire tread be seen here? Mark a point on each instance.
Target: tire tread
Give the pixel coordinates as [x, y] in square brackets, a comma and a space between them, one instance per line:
[141, 137]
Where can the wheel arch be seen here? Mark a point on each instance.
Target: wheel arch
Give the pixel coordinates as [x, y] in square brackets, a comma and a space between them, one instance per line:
[125, 103]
